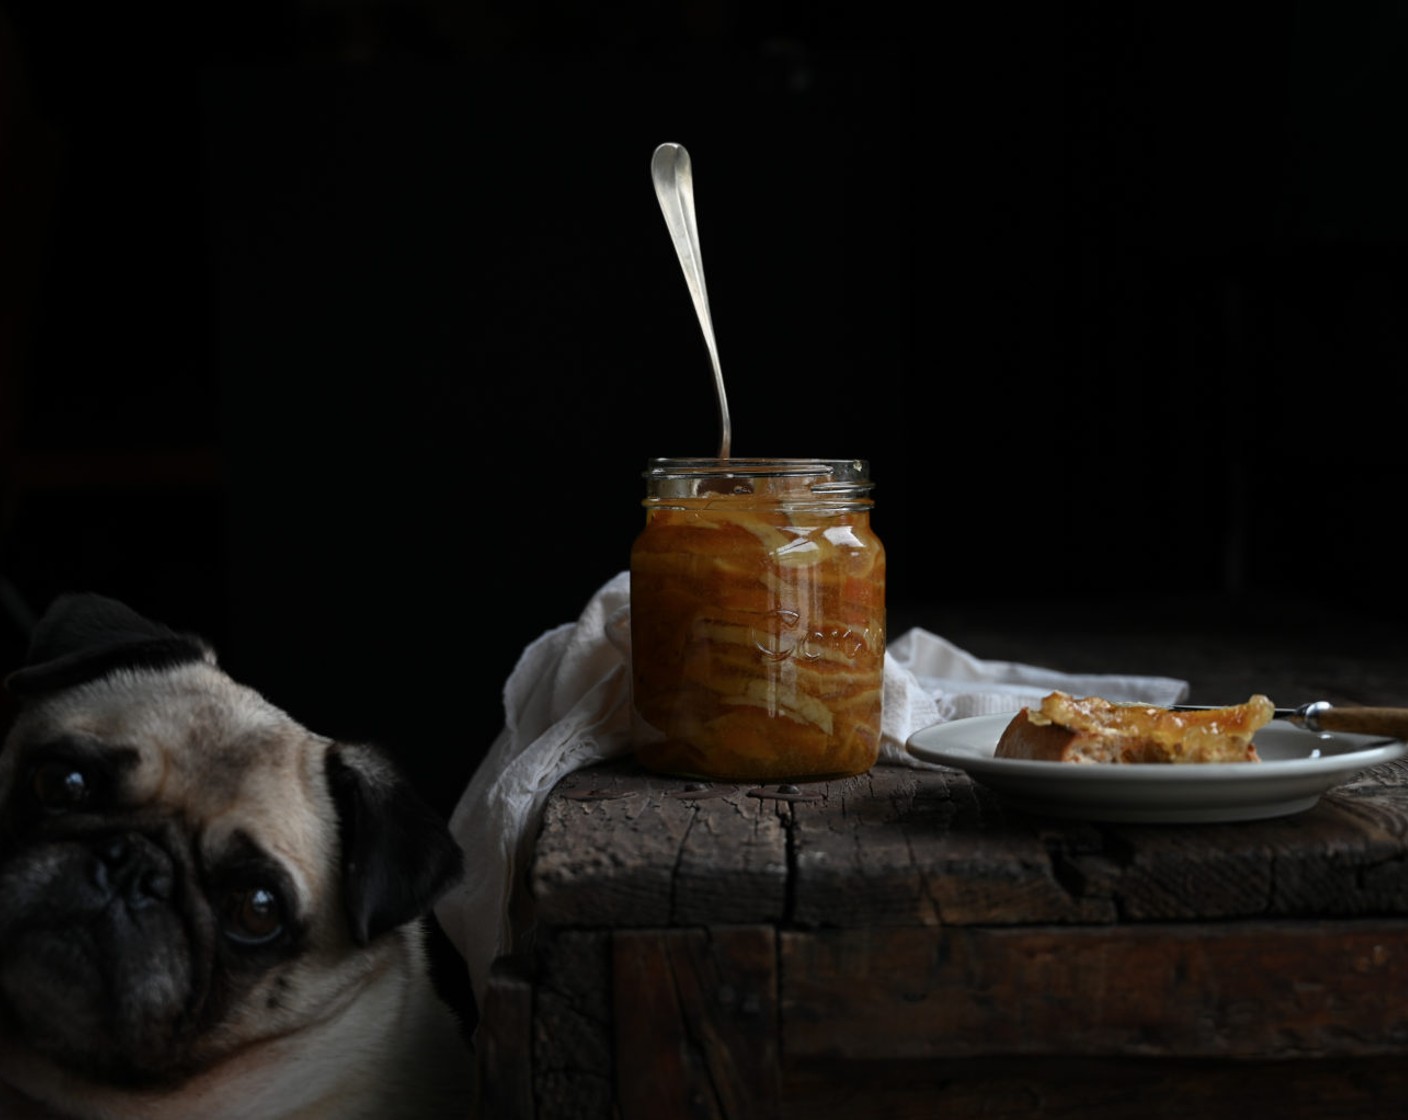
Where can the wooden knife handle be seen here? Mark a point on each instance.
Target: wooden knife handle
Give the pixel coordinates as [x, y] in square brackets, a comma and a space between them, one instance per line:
[1365, 721]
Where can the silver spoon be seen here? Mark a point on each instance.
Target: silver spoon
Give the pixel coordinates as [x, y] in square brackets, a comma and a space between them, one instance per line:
[674, 187]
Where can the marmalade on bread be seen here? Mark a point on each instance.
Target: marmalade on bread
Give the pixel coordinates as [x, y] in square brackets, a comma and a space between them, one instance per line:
[1064, 728]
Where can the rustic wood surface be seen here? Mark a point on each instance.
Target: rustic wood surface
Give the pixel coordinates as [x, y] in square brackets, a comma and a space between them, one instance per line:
[908, 847]
[697, 1008]
[904, 944]
[1128, 1088]
[1243, 990]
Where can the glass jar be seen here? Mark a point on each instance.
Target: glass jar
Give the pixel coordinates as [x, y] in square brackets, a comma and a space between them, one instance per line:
[757, 620]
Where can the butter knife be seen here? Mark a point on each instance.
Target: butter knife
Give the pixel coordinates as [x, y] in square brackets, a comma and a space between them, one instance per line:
[1324, 716]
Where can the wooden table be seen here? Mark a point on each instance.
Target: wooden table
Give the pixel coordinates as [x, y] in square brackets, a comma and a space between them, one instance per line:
[903, 944]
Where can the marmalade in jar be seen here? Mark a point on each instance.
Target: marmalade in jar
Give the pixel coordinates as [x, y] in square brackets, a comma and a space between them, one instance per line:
[758, 620]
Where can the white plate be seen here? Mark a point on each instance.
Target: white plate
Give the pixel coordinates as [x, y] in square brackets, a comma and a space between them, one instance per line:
[1297, 767]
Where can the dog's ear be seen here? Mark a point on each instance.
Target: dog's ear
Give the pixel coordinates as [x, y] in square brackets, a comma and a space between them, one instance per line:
[83, 636]
[398, 856]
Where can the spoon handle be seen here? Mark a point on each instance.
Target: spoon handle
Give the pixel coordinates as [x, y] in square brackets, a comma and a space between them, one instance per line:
[674, 187]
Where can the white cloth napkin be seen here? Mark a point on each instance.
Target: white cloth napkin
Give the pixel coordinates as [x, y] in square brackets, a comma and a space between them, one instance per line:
[567, 705]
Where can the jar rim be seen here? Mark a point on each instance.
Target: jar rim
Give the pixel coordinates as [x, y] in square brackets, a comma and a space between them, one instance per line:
[762, 466]
[835, 484]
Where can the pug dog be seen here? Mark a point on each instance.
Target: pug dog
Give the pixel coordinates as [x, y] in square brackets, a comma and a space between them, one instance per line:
[206, 910]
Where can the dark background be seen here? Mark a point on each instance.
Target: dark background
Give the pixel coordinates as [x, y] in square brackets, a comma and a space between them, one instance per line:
[341, 331]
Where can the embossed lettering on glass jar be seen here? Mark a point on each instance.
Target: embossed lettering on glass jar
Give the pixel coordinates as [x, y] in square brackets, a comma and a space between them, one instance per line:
[758, 619]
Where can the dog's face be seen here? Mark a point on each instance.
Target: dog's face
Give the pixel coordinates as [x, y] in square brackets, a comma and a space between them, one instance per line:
[185, 872]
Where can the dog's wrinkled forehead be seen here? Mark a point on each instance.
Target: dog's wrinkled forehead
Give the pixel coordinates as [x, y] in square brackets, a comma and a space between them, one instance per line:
[192, 723]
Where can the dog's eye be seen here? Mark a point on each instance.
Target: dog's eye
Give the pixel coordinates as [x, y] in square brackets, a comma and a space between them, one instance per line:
[252, 915]
[61, 786]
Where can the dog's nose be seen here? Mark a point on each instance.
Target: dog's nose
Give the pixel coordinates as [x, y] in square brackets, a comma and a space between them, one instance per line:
[132, 867]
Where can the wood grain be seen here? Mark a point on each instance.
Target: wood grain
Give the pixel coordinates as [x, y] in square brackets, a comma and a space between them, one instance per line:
[696, 1023]
[1261, 989]
[901, 846]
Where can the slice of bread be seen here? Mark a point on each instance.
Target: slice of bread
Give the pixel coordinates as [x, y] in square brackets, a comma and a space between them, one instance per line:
[1067, 729]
